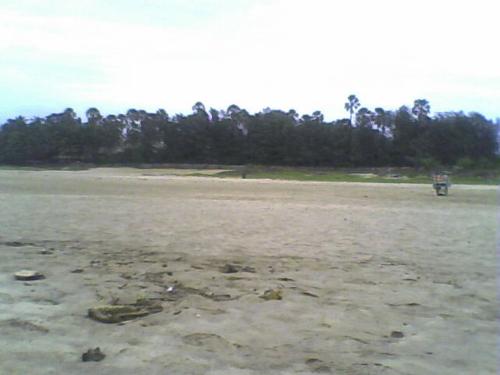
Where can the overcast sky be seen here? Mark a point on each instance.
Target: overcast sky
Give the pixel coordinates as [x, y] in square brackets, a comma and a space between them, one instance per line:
[302, 54]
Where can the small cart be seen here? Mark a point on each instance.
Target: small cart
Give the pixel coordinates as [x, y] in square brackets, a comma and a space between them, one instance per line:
[441, 183]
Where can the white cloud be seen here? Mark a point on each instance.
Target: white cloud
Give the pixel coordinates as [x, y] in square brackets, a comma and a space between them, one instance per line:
[280, 53]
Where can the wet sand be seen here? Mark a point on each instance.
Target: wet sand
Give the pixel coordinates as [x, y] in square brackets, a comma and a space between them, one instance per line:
[374, 278]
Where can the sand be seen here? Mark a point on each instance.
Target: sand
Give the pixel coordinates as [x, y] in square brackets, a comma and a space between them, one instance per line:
[374, 278]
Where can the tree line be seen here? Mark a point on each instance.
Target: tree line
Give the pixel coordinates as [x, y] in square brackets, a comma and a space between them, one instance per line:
[408, 136]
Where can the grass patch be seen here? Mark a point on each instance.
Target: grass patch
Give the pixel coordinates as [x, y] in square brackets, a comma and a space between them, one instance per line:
[382, 175]
[403, 175]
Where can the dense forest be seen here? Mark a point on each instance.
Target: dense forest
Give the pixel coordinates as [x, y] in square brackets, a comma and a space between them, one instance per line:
[408, 136]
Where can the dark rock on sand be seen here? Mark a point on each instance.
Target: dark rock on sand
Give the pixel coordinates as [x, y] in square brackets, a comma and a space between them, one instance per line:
[93, 355]
[397, 334]
[230, 268]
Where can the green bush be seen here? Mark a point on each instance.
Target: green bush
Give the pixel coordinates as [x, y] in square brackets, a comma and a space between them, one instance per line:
[428, 163]
[484, 163]
[465, 163]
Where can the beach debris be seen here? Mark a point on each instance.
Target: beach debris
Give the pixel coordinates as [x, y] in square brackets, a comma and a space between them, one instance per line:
[28, 275]
[15, 243]
[46, 252]
[178, 291]
[233, 268]
[285, 279]
[397, 334]
[230, 268]
[217, 297]
[272, 294]
[248, 269]
[120, 313]
[234, 278]
[77, 270]
[93, 355]
[309, 294]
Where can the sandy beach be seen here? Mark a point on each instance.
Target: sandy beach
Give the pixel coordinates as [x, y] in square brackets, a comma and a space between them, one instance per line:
[373, 278]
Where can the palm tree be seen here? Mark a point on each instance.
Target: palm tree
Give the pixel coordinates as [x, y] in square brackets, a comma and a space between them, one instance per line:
[351, 105]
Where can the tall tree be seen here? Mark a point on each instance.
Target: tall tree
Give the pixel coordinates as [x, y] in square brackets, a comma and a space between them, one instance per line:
[383, 120]
[199, 107]
[351, 105]
[421, 109]
[93, 115]
[364, 118]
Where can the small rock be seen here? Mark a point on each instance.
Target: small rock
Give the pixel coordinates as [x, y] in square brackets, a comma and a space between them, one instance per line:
[28, 275]
[78, 270]
[313, 361]
[397, 334]
[272, 294]
[230, 268]
[93, 355]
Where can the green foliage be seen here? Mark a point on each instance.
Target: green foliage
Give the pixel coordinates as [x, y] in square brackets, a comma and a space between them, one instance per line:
[378, 175]
[465, 163]
[271, 137]
[429, 164]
